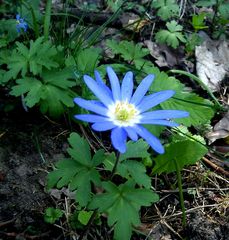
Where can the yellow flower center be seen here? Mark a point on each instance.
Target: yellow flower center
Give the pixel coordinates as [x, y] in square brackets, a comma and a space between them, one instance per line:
[123, 113]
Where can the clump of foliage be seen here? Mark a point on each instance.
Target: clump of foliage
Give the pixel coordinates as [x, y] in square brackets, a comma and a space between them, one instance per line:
[44, 70]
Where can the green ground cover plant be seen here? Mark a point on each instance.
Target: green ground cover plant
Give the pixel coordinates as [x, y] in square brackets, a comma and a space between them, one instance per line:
[66, 75]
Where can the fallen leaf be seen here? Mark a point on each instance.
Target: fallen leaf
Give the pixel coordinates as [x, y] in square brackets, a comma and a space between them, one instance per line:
[212, 62]
[220, 130]
[164, 55]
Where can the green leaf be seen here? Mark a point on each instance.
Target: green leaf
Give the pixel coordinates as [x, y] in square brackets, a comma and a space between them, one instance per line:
[198, 21]
[224, 10]
[200, 109]
[185, 152]
[114, 5]
[136, 171]
[131, 168]
[135, 150]
[52, 215]
[52, 93]
[29, 86]
[79, 171]
[206, 3]
[172, 36]
[122, 203]
[166, 8]
[8, 28]
[79, 150]
[87, 60]
[33, 60]
[129, 51]
[84, 216]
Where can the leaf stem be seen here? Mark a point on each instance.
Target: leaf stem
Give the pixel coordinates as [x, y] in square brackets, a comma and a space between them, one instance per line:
[47, 18]
[203, 85]
[115, 165]
[179, 182]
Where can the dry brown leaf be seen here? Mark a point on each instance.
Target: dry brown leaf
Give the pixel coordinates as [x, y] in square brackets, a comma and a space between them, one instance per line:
[220, 130]
[212, 62]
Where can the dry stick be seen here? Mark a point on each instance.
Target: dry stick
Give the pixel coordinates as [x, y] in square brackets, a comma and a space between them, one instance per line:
[189, 211]
[162, 220]
[216, 167]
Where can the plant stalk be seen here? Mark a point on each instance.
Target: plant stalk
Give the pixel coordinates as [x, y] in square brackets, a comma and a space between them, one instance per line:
[179, 182]
[115, 165]
[47, 19]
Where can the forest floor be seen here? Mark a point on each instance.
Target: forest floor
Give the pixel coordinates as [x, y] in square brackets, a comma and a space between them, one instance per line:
[29, 147]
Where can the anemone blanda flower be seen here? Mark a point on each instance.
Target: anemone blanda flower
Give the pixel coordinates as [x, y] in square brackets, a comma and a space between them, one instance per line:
[122, 111]
[21, 24]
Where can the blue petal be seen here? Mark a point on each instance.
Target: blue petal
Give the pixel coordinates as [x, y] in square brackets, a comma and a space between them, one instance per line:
[91, 106]
[164, 114]
[150, 139]
[154, 99]
[159, 122]
[118, 139]
[91, 118]
[142, 89]
[127, 87]
[103, 126]
[115, 85]
[98, 91]
[102, 84]
[131, 133]
[18, 16]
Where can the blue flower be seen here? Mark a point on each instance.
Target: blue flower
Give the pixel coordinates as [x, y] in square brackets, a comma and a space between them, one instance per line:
[122, 111]
[21, 24]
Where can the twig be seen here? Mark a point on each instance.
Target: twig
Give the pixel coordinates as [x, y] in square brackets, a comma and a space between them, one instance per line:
[190, 210]
[162, 220]
[216, 167]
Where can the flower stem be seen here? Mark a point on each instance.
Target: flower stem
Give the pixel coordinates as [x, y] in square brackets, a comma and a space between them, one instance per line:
[179, 182]
[47, 18]
[115, 165]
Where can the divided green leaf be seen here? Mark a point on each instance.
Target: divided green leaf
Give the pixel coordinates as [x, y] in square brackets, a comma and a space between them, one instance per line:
[166, 8]
[52, 215]
[122, 203]
[172, 36]
[87, 60]
[78, 171]
[52, 93]
[128, 167]
[198, 21]
[135, 150]
[38, 57]
[129, 51]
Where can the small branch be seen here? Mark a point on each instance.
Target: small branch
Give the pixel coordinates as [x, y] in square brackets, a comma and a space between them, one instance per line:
[216, 167]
